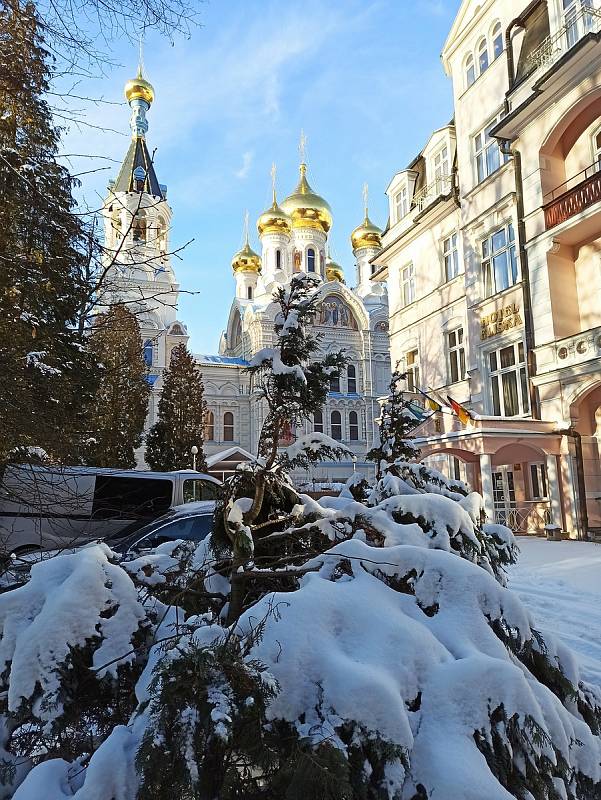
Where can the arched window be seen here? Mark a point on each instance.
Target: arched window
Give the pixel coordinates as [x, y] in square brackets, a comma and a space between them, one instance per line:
[318, 422]
[351, 378]
[470, 70]
[209, 431]
[334, 383]
[228, 427]
[278, 259]
[597, 149]
[336, 425]
[353, 426]
[310, 260]
[139, 226]
[483, 56]
[497, 40]
[161, 235]
[249, 292]
[116, 225]
[148, 352]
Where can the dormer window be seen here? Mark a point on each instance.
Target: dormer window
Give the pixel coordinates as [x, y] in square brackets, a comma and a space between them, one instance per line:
[401, 204]
[441, 170]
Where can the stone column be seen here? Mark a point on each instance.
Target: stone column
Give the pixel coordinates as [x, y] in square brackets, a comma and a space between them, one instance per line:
[554, 493]
[486, 483]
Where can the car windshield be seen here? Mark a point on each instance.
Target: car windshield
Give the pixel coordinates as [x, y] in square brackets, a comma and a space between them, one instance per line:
[193, 527]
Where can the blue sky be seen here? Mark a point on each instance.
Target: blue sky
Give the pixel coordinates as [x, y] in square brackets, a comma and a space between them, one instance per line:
[363, 79]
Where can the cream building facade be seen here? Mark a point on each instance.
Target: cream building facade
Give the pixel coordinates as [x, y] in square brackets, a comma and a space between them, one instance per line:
[493, 260]
[293, 238]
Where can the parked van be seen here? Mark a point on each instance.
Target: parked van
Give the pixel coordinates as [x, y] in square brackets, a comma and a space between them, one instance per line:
[43, 508]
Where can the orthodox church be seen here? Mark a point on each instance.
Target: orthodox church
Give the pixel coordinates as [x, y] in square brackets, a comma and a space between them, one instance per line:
[293, 237]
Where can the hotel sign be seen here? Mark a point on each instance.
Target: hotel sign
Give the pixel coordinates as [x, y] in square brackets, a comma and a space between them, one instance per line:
[498, 321]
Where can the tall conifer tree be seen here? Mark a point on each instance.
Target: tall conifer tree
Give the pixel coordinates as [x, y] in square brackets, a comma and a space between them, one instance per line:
[121, 403]
[47, 376]
[182, 411]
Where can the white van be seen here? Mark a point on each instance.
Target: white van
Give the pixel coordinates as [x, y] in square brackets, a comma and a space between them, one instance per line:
[43, 508]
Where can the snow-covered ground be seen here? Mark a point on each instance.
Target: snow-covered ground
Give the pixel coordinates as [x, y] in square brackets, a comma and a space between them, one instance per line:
[560, 583]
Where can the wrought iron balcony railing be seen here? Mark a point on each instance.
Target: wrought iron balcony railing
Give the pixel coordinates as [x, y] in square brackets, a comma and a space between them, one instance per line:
[573, 196]
[576, 26]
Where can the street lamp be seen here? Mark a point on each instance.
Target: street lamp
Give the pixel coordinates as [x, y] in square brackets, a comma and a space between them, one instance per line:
[194, 452]
[354, 458]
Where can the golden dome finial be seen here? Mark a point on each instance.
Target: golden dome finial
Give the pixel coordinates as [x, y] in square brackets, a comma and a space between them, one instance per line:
[365, 199]
[246, 260]
[306, 208]
[367, 234]
[139, 88]
[274, 220]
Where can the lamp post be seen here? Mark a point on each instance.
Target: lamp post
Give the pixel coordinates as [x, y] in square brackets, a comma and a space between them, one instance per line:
[354, 458]
[194, 451]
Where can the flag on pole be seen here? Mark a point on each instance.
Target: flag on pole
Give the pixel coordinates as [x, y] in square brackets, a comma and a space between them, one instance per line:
[430, 402]
[462, 413]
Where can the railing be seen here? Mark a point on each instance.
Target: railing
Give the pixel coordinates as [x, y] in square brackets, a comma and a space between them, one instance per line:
[440, 186]
[566, 202]
[529, 518]
[576, 26]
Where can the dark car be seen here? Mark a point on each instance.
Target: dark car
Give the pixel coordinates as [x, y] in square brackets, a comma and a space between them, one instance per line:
[191, 522]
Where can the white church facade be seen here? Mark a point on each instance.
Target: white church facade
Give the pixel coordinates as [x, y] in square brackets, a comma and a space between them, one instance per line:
[293, 238]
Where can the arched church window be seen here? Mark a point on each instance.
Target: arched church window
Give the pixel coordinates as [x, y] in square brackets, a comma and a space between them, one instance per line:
[353, 426]
[351, 378]
[209, 429]
[139, 178]
[148, 352]
[161, 235]
[334, 383]
[249, 292]
[278, 259]
[310, 260]
[139, 226]
[336, 426]
[318, 422]
[228, 427]
[116, 225]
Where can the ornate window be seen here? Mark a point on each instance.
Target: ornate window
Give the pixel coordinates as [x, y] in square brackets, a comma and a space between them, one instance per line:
[177, 330]
[310, 260]
[278, 259]
[228, 427]
[148, 352]
[249, 292]
[483, 56]
[351, 379]
[353, 426]
[161, 235]
[509, 381]
[209, 429]
[334, 383]
[336, 425]
[497, 40]
[470, 71]
[318, 422]
[499, 261]
[139, 226]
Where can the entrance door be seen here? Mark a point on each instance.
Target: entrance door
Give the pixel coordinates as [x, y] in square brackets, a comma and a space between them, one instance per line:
[503, 488]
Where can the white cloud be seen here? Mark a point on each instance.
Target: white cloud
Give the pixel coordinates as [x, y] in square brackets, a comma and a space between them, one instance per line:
[247, 160]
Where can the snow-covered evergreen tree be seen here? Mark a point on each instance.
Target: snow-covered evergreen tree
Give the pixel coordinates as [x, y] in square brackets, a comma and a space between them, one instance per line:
[47, 376]
[181, 417]
[121, 402]
[394, 425]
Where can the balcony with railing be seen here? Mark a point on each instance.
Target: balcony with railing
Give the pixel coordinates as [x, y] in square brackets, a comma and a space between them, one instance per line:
[574, 196]
[530, 517]
[576, 26]
[439, 187]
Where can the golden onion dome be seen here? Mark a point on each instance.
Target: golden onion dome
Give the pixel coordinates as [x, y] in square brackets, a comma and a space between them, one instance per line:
[334, 271]
[274, 220]
[307, 209]
[139, 88]
[366, 235]
[246, 260]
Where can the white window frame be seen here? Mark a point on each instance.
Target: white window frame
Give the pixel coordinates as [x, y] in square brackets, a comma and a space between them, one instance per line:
[489, 257]
[488, 157]
[456, 354]
[500, 382]
[412, 369]
[469, 70]
[480, 51]
[401, 203]
[450, 256]
[407, 284]
[498, 38]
